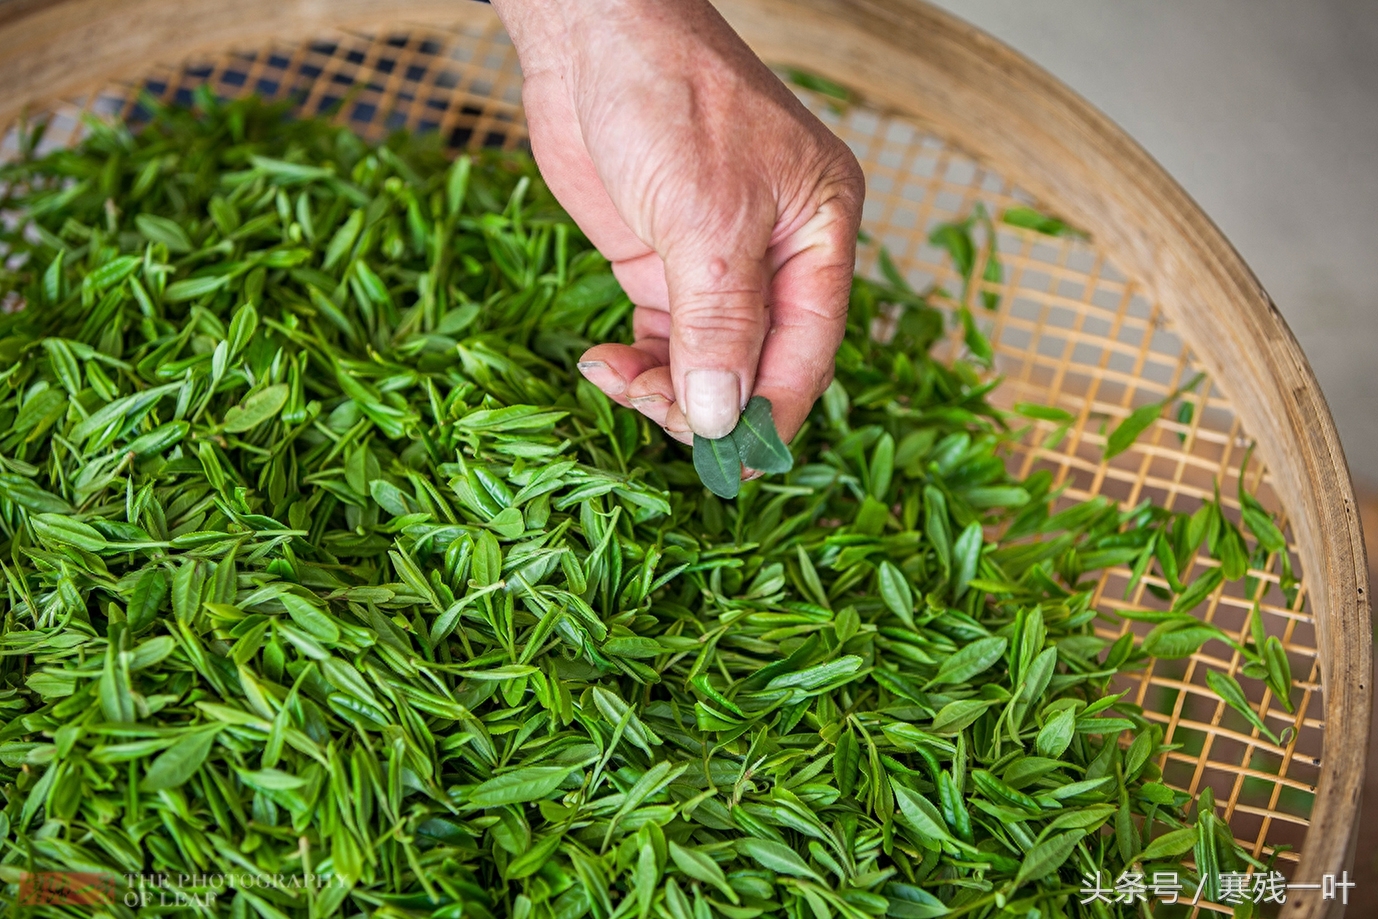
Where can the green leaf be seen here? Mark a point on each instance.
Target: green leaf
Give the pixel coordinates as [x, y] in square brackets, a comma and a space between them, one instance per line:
[975, 339]
[487, 559]
[499, 674]
[970, 661]
[57, 530]
[936, 526]
[646, 876]
[1056, 733]
[1178, 638]
[1206, 854]
[1048, 856]
[1261, 524]
[891, 271]
[1139, 420]
[457, 185]
[510, 420]
[310, 617]
[270, 780]
[1197, 592]
[1157, 793]
[150, 590]
[1234, 557]
[699, 866]
[508, 523]
[152, 652]
[258, 408]
[895, 591]
[393, 500]
[758, 443]
[955, 240]
[1279, 671]
[343, 240]
[882, 468]
[818, 675]
[64, 364]
[846, 762]
[1228, 689]
[1138, 753]
[719, 465]
[520, 786]
[1128, 430]
[1044, 412]
[533, 859]
[1169, 845]
[160, 439]
[288, 172]
[1030, 219]
[821, 85]
[959, 714]
[31, 497]
[179, 762]
[194, 288]
[920, 814]
[777, 857]
[52, 278]
[966, 556]
[163, 230]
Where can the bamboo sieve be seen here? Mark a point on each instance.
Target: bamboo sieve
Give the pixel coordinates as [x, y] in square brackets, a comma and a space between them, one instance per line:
[941, 117]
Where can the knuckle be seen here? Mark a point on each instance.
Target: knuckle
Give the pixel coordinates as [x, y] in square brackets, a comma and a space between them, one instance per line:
[843, 176]
[706, 322]
[851, 188]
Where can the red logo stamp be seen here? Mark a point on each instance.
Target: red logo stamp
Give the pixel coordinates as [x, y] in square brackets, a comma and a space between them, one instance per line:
[66, 888]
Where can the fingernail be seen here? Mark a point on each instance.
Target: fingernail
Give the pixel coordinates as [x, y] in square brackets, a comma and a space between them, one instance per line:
[752, 474]
[683, 437]
[653, 405]
[712, 402]
[601, 375]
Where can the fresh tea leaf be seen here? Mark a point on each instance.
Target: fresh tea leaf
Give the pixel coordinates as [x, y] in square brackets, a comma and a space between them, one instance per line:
[758, 443]
[719, 465]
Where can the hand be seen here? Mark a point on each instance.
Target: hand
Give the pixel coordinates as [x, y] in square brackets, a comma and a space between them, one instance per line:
[728, 211]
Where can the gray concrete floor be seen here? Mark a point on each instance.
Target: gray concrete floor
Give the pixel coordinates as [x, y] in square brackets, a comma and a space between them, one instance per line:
[1267, 112]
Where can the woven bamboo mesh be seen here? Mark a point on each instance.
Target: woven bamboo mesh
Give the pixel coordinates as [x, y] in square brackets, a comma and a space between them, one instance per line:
[1070, 331]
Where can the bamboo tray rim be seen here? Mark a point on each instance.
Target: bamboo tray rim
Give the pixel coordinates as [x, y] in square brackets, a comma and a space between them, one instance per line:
[908, 57]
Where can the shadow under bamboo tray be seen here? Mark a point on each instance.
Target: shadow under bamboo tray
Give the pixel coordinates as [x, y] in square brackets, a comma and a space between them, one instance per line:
[941, 117]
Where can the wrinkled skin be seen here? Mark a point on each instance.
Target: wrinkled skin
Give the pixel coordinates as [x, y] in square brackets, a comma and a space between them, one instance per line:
[728, 211]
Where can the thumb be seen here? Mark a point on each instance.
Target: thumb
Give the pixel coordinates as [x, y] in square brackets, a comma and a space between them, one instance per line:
[717, 326]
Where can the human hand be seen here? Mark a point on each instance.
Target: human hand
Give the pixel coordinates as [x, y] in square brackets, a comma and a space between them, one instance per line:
[728, 211]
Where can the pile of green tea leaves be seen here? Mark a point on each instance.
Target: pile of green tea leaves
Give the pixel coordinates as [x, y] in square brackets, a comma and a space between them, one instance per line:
[320, 561]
